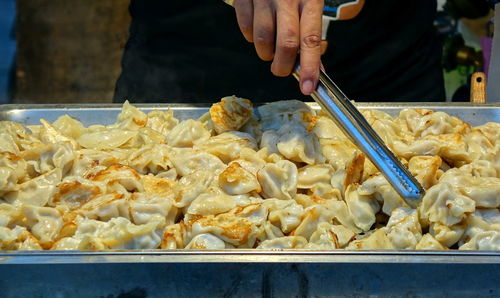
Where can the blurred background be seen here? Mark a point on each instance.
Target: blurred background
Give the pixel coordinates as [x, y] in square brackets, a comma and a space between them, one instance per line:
[61, 51]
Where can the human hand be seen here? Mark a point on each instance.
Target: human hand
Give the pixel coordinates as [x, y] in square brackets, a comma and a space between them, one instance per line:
[279, 28]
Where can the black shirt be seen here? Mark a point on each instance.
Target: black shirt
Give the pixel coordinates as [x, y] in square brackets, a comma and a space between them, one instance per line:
[193, 51]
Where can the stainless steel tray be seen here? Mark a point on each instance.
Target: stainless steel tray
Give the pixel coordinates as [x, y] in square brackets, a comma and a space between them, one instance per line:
[475, 114]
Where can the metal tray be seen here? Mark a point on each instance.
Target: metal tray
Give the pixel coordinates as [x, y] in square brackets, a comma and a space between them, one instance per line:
[475, 114]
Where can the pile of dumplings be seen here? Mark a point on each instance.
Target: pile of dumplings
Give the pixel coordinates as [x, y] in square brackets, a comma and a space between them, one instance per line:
[281, 176]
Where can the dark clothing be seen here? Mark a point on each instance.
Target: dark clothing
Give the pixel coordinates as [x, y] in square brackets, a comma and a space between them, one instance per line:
[193, 51]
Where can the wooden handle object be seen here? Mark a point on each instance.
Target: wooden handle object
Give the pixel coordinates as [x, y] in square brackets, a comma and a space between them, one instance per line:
[478, 88]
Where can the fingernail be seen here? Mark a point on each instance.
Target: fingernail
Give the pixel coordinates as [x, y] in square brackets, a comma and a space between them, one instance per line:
[307, 87]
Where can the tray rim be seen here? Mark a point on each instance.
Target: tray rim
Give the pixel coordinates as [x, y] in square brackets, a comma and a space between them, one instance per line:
[250, 256]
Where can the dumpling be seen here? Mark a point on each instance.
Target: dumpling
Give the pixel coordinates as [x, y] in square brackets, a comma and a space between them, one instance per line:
[278, 180]
[312, 175]
[206, 241]
[211, 204]
[228, 145]
[403, 228]
[284, 214]
[239, 232]
[376, 240]
[425, 169]
[130, 118]
[36, 191]
[151, 158]
[69, 127]
[362, 208]
[174, 236]
[162, 121]
[286, 242]
[106, 139]
[13, 170]
[235, 180]
[278, 113]
[443, 204]
[428, 242]
[313, 216]
[144, 207]
[191, 186]
[328, 236]
[44, 223]
[231, 113]
[187, 161]
[297, 144]
[187, 134]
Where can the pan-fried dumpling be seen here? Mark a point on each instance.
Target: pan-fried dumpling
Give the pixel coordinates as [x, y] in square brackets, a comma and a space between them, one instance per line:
[482, 231]
[403, 228]
[274, 115]
[187, 161]
[286, 242]
[13, 170]
[362, 208]
[443, 204]
[228, 145]
[426, 169]
[105, 207]
[375, 240]
[50, 135]
[211, 204]
[187, 134]
[235, 180]
[130, 118]
[269, 141]
[118, 233]
[450, 147]
[423, 122]
[162, 121]
[69, 127]
[36, 191]
[328, 236]
[191, 186]
[268, 231]
[206, 241]
[312, 175]
[106, 139]
[231, 113]
[239, 232]
[278, 180]
[151, 158]
[73, 193]
[312, 217]
[285, 214]
[18, 238]
[297, 144]
[485, 191]
[324, 128]
[174, 236]
[143, 207]
[119, 178]
[337, 152]
[429, 243]
[44, 223]
[378, 186]
[446, 235]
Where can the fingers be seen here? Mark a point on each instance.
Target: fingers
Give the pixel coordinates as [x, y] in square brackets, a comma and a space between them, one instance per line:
[310, 44]
[287, 40]
[264, 29]
[244, 15]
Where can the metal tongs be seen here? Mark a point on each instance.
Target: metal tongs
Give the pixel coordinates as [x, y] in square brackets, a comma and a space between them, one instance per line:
[336, 104]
